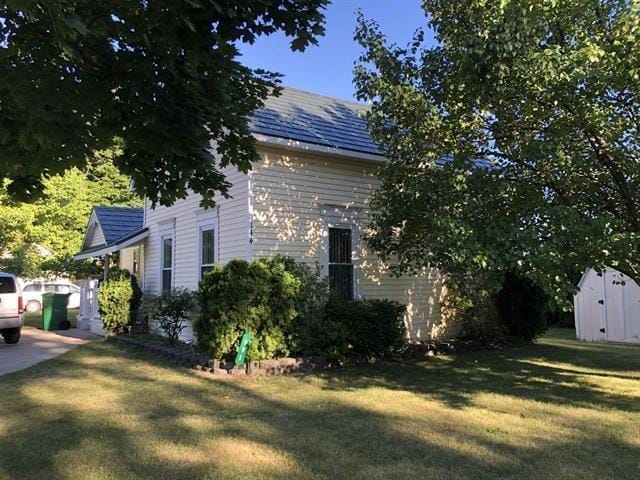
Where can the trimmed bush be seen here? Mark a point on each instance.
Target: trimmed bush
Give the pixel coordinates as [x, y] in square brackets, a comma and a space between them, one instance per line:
[170, 310]
[522, 307]
[470, 306]
[312, 297]
[119, 299]
[261, 297]
[361, 329]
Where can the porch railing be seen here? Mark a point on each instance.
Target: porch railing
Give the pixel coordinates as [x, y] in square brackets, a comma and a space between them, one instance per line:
[89, 315]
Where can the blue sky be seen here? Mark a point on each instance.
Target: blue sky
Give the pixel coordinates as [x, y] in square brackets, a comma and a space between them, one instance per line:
[327, 68]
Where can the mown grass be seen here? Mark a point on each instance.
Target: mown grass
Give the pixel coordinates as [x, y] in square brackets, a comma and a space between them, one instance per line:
[560, 409]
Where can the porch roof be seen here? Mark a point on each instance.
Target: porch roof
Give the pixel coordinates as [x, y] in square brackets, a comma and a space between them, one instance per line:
[124, 242]
[111, 229]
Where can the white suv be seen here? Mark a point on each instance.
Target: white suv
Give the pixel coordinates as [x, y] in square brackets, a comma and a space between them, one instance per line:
[32, 292]
[11, 308]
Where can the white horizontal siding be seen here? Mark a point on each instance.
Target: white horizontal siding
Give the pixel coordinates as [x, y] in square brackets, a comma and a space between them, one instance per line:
[232, 235]
[126, 261]
[288, 195]
[95, 236]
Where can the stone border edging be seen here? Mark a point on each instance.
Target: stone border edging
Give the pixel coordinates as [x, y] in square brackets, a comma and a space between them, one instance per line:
[191, 359]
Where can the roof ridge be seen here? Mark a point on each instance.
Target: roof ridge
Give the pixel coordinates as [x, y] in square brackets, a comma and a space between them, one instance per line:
[313, 94]
[118, 206]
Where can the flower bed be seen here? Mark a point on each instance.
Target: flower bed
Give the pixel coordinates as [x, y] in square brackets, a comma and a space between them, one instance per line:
[184, 355]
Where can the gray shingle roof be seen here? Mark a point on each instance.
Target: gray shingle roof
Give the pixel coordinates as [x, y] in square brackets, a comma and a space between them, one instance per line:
[119, 222]
[312, 118]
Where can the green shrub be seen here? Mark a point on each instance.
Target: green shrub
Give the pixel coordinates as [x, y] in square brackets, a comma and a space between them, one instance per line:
[170, 310]
[119, 298]
[470, 306]
[361, 329]
[261, 297]
[312, 297]
[522, 307]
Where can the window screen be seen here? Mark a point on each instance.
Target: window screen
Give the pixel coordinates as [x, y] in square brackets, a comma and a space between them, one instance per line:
[167, 263]
[136, 259]
[207, 253]
[341, 262]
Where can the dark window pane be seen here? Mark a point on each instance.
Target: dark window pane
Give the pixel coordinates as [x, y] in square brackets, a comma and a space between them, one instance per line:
[339, 245]
[341, 263]
[341, 281]
[208, 247]
[49, 287]
[7, 285]
[166, 279]
[135, 260]
[167, 252]
[31, 288]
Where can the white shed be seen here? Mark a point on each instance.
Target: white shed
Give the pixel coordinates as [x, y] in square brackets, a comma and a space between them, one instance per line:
[607, 307]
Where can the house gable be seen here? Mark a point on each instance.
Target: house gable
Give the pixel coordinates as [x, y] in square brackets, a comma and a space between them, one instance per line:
[93, 237]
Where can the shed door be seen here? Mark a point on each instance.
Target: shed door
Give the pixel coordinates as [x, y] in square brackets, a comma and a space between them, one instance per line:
[615, 286]
[590, 312]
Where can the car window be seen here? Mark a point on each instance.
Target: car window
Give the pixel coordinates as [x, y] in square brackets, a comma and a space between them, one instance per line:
[49, 287]
[62, 289]
[7, 285]
[36, 287]
[75, 289]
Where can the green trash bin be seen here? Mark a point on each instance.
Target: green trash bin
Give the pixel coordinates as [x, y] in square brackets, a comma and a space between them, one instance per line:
[54, 311]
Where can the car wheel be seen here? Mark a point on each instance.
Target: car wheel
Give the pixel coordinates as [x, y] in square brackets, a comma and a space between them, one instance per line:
[11, 335]
[32, 307]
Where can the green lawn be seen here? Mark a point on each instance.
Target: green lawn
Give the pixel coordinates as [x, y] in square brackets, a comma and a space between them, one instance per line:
[559, 409]
[35, 319]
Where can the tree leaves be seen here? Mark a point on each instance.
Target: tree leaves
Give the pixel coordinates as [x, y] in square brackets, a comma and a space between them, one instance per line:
[514, 143]
[56, 222]
[163, 76]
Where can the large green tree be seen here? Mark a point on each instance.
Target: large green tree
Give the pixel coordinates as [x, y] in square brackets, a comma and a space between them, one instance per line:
[513, 140]
[162, 75]
[41, 236]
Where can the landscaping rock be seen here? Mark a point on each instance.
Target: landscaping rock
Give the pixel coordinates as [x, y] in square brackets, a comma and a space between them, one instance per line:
[289, 362]
[227, 365]
[238, 370]
[185, 356]
[269, 364]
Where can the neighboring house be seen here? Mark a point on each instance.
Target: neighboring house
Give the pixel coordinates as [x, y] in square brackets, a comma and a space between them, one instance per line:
[307, 198]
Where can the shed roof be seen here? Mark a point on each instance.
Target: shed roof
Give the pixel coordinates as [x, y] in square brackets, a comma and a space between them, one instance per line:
[316, 119]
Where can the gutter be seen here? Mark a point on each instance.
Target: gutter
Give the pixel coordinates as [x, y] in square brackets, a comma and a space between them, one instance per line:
[114, 247]
[296, 145]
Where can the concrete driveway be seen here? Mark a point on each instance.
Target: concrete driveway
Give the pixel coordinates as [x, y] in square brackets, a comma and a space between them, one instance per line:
[37, 345]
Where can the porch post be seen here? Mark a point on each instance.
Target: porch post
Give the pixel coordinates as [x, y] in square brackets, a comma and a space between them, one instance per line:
[106, 266]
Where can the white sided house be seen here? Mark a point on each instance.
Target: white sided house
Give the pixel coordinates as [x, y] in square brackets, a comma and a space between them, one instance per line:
[307, 198]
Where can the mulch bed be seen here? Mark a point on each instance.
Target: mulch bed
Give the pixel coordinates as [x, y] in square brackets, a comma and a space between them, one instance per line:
[186, 356]
[420, 350]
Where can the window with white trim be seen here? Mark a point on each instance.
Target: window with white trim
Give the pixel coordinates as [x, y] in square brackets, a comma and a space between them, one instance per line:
[167, 262]
[207, 249]
[135, 261]
[341, 268]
